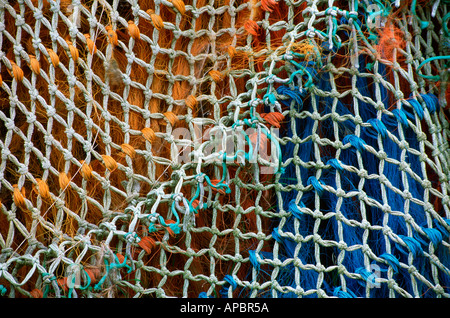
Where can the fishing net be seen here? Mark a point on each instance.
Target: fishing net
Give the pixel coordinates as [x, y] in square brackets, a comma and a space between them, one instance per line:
[226, 148]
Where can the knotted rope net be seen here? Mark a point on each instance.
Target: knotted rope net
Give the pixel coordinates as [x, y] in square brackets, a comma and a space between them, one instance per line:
[226, 148]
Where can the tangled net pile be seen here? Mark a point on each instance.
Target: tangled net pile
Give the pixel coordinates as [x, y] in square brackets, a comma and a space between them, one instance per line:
[228, 148]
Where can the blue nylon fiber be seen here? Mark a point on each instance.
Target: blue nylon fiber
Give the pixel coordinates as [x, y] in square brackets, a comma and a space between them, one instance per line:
[390, 126]
[415, 187]
[253, 259]
[442, 228]
[366, 111]
[392, 261]
[372, 187]
[417, 109]
[431, 102]
[307, 248]
[288, 177]
[304, 153]
[412, 244]
[335, 164]
[316, 185]
[338, 292]
[396, 202]
[442, 252]
[401, 116]
[294, 209]
[379, 127]
[390, 121]
[351, 235]
[431, 235]
[276, 236]
[293, 95]
[415, 249]
[355, 141]
[366, 275]
[348, 209]
[435, 237]
[288, 248]
[371, 163]
[231, 283]
[229, 279]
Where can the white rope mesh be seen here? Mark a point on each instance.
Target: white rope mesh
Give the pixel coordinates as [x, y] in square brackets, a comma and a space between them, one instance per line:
[224, 149]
